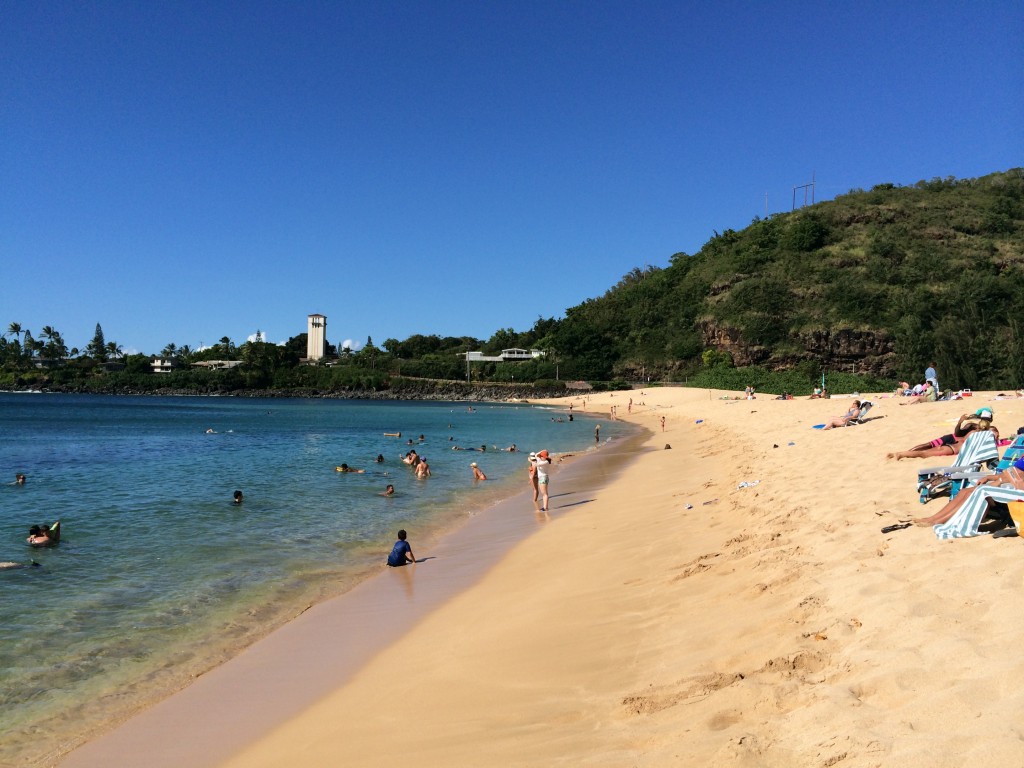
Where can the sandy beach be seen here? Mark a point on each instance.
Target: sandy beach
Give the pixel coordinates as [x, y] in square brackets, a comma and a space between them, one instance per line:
[663, 615]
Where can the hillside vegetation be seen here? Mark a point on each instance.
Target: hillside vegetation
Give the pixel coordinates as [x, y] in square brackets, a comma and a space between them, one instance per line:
[878, 282]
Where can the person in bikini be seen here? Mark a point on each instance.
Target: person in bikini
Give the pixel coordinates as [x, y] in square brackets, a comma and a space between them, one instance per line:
[842, 421]
[949, 445]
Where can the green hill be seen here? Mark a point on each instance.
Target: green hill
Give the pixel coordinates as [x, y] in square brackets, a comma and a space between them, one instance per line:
[877, 282]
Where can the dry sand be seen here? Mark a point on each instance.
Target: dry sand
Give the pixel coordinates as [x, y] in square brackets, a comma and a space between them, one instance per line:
[677, 619]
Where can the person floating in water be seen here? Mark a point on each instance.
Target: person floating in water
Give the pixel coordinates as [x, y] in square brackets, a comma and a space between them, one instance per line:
[237, 498]
[19, 479]
[389, 491]
[347, 468]
[380, 458]
[401, 553]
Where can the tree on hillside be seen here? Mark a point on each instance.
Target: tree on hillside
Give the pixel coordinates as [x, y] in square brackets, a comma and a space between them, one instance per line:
[97, 348]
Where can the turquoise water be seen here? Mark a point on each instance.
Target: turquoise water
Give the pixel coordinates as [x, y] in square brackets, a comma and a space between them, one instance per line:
[158, 576]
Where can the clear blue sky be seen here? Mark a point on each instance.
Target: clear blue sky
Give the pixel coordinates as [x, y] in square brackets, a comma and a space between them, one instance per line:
[180, 171]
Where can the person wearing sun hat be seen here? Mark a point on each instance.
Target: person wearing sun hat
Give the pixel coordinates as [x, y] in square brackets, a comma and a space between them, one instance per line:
[532, 470]
[542, 462]
[477, 473]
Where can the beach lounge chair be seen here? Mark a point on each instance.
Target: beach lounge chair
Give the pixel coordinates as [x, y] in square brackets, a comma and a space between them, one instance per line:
[965, 522]
[978, 452]
[865, 406]
[1014, 451]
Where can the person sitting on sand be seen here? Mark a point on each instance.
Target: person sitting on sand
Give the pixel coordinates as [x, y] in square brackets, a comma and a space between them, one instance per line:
[927, 395]
[347, 468]
[948, 445]
[842, 421]
[389, 491]
[401, 553]
[477, 472]
[1011, 477]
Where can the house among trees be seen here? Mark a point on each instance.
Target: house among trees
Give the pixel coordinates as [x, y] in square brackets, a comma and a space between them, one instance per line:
[506, 356]
[163, 364]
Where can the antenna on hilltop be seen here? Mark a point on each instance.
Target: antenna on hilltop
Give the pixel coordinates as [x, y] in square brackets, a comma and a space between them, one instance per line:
[804, 187]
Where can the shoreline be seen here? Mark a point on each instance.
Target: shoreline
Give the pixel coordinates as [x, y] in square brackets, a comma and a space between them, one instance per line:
[457, 555]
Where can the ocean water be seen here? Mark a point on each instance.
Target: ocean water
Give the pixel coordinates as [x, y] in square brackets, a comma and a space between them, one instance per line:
[159, 576]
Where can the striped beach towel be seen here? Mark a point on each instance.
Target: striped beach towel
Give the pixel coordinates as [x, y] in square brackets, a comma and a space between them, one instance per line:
[967, 519]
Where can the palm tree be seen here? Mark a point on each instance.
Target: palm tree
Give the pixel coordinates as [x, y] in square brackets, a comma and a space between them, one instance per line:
[170, 351]
[225, 345]
[114, 349]
[14, 329]
[185, 353]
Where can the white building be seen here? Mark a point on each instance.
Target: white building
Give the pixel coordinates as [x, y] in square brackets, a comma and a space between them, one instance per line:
[316, 337]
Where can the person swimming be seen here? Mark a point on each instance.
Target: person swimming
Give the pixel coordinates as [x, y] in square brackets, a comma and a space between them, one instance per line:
[347, 468]
[389, 491]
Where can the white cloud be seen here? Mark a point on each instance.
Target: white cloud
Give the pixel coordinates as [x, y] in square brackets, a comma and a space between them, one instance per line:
[355, 346]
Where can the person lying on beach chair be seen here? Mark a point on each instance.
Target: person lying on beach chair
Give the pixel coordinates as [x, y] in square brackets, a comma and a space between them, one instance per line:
[948, 445]
[842, 421]
[1012, 477]
[979, 453]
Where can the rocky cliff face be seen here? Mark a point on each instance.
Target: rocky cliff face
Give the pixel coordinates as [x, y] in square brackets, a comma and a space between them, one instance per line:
[863, 352]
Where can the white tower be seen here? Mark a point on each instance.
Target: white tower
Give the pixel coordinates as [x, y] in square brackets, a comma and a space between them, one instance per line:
[316, 337]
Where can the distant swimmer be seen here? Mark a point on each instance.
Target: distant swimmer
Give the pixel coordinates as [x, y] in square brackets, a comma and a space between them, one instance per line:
[19, 479]
[477, 472]
[401, 553]
[389, 491]
[380, 458]
[8, 565]
[211, 431]
[237, 498]
[347, 468]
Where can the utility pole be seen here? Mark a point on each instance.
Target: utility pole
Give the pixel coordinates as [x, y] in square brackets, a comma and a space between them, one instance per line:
[805, 188]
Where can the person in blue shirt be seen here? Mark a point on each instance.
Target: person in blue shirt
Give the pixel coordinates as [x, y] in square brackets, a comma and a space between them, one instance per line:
[401, 553]
[933, 377]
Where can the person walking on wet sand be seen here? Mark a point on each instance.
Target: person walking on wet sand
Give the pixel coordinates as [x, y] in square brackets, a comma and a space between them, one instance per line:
[401, 553]
[662, 423]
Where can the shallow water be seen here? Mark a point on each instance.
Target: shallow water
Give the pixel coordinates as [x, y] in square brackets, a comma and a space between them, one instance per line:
[159, 577]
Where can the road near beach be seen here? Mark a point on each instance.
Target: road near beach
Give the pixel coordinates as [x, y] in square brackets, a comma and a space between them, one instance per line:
[729, 600]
